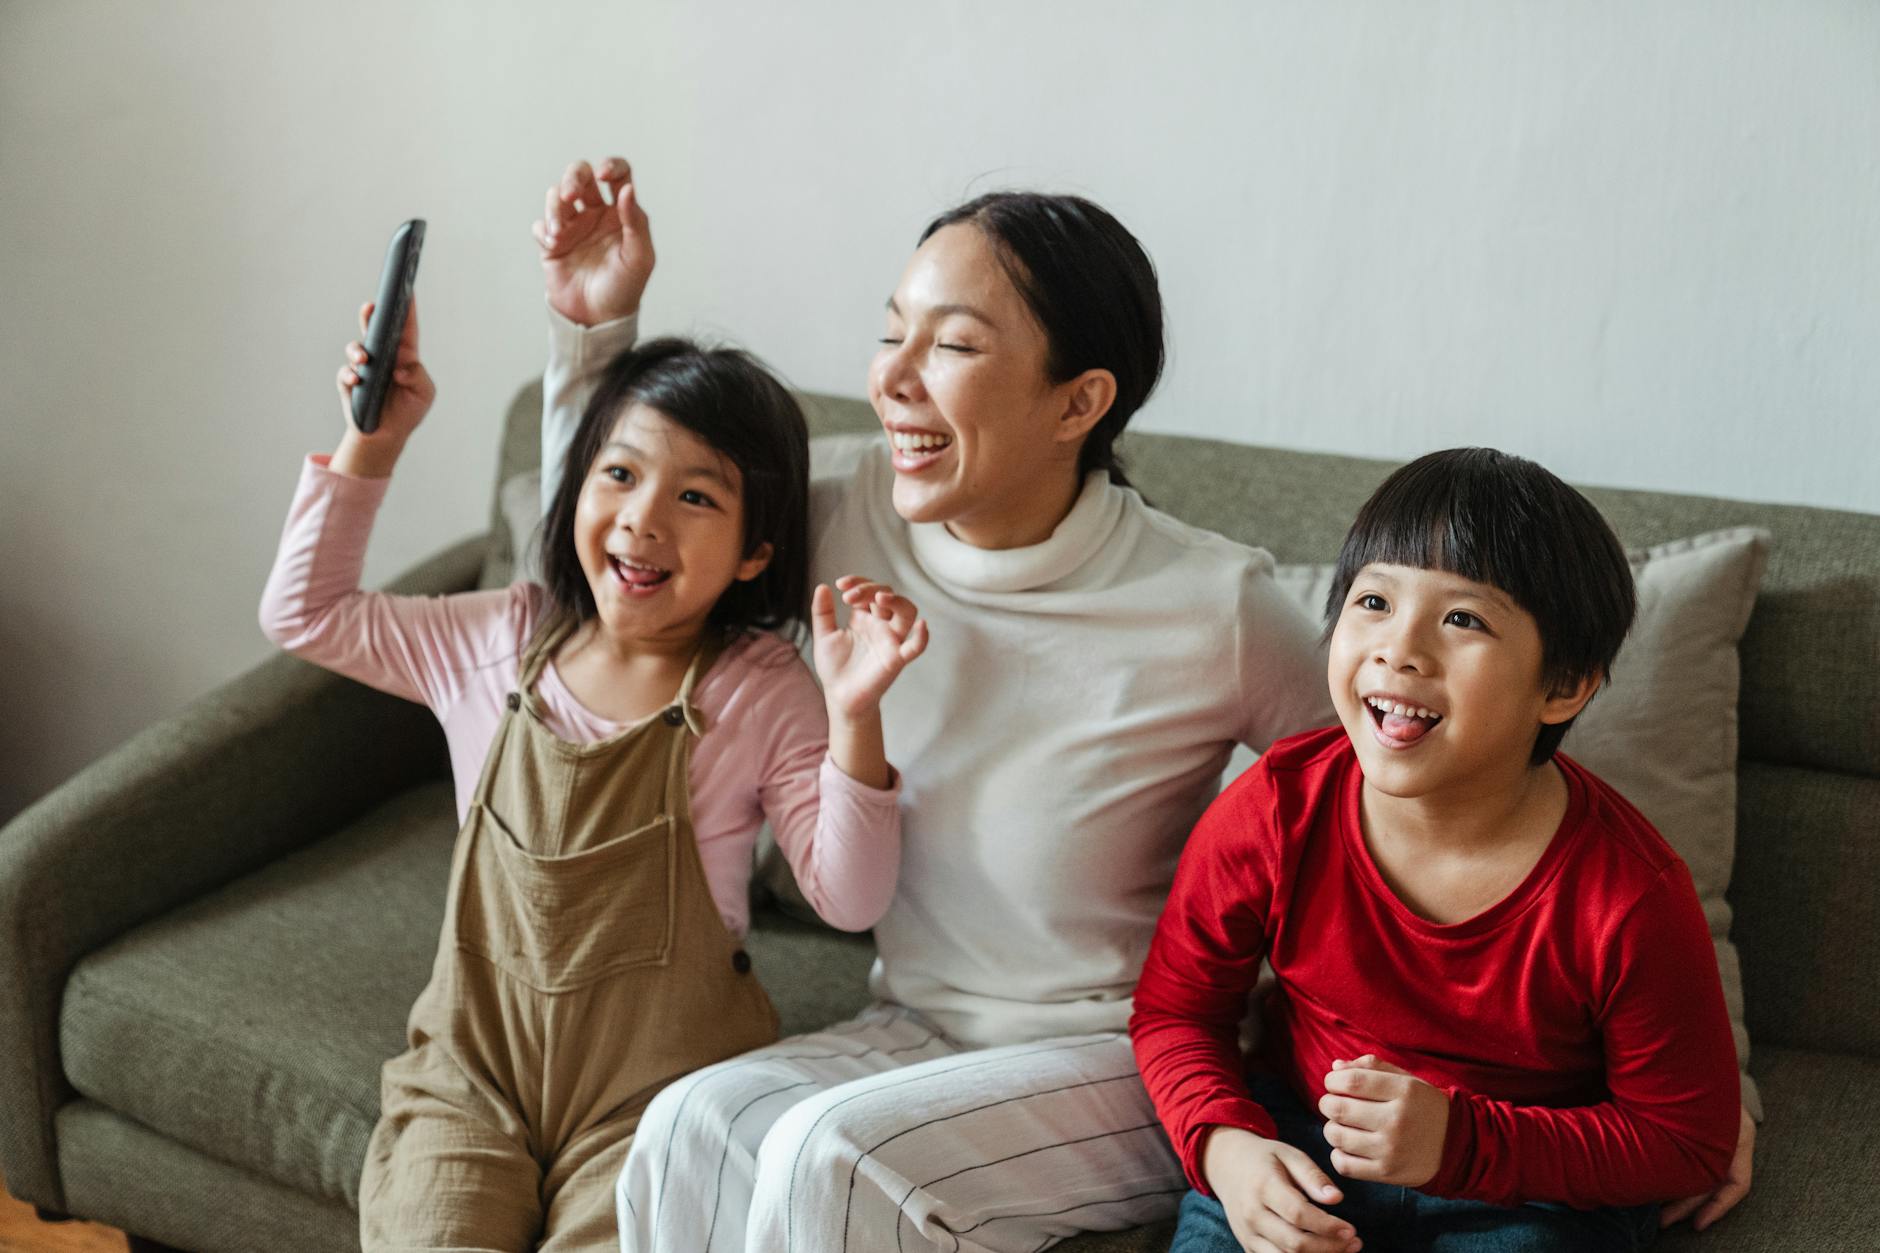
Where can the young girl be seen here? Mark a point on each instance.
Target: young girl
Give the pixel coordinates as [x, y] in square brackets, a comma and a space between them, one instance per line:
[618, 735]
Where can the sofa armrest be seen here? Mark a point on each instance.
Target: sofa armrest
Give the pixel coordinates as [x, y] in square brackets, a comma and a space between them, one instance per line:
[266, 764]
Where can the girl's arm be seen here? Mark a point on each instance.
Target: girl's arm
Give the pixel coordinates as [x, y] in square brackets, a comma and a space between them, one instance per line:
[415, 647]
[597, 255]
[834, 809]
[841, 837]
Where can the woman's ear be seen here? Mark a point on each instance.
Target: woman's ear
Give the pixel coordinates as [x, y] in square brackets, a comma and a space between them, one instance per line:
[1570, 698]
[1086, 399]
[755, 564]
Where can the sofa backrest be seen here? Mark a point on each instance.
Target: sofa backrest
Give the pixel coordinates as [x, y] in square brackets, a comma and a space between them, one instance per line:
[1806, 887]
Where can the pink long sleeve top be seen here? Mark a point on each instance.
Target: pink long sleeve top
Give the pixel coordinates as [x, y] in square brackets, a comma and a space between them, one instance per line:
[764, 754]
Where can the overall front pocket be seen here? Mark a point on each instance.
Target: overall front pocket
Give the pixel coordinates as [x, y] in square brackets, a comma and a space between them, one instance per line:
[560, 923]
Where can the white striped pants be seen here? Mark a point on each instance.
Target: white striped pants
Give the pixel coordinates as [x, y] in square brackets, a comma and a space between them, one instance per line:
[882, 1134]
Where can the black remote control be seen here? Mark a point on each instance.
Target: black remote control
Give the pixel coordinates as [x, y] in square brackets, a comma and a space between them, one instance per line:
[388, 323]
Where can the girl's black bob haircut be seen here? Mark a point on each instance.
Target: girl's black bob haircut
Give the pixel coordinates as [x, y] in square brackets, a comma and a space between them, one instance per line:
[728, 399]
[1503, 520]
[1092, 288]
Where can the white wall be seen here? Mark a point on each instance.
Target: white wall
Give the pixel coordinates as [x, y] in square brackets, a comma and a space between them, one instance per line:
[1638, 241]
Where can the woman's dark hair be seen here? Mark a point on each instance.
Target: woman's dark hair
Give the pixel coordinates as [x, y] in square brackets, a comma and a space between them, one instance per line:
[1093, 290]
[728, 399]
[1505, 521]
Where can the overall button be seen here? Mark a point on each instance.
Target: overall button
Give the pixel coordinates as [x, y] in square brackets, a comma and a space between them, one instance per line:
[513, 700]
[674, 716]
[741, 962]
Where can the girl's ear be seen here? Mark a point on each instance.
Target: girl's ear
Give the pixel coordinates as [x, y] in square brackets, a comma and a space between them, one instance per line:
[1568, 700]
[755, 564]
[1088, 397]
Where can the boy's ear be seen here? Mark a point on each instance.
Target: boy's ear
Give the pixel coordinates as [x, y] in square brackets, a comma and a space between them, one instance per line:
[755, 564]
[1571, 698]
[1088, 397]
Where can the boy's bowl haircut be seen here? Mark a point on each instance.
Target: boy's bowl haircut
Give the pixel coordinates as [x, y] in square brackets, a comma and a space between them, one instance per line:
[1495, 518]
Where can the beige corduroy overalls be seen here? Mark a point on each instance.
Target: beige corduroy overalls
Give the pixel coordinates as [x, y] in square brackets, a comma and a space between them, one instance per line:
[583, 966]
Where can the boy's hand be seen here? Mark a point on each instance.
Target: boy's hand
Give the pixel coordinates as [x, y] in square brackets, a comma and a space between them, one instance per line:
[1264, 1185]
[1384, 1124]
[407, 400]
[1735, 1186]
[859, 662]
[596, 256]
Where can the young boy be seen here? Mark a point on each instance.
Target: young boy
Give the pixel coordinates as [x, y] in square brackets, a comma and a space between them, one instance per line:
[1497, 1022]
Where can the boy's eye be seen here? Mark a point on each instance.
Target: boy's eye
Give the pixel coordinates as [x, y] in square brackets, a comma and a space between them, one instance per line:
[1373, 602]
[1467, 621]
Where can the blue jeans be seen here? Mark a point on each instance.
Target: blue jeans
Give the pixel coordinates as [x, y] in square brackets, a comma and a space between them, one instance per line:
[1388, 1217]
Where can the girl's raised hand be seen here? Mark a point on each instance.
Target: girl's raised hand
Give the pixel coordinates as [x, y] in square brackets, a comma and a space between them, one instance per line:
[406, 402]
[859, 662]
[596, 256]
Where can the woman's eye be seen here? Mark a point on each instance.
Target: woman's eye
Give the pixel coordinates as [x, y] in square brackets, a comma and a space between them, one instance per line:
[1467, 621]
[1373, 602]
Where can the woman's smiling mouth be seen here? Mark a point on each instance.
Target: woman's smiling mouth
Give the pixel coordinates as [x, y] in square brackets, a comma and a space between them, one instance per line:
[915, 450]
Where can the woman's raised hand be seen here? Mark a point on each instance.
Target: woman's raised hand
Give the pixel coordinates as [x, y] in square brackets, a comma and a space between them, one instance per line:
[407, 400]
[859, 662]
[596, 256]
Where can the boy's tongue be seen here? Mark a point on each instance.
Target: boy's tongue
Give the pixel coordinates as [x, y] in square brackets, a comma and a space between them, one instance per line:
[1405, 729]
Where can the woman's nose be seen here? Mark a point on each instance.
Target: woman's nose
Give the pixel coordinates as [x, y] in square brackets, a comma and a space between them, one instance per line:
[896, 375]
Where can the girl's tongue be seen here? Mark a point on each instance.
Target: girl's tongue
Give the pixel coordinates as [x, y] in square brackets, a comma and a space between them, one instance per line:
[639, 576]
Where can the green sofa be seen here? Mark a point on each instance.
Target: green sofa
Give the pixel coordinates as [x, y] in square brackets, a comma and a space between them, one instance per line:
[214, 932]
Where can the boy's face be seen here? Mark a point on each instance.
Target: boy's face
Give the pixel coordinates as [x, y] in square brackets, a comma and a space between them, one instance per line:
[1437, 680]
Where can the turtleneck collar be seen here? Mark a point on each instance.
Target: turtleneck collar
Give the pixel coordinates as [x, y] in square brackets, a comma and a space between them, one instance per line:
[1074, 541]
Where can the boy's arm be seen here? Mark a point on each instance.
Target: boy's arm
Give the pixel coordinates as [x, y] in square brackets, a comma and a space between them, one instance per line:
[1202, 964]
[1670, 1127]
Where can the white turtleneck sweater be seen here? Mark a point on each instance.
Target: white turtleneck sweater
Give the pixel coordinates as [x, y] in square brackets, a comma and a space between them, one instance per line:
[1056, 743]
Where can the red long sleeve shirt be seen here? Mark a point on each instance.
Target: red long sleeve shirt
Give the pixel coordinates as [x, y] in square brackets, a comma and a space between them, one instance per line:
[1578, 1025]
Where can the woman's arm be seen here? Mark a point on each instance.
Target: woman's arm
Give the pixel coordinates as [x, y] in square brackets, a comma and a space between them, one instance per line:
[597, 256]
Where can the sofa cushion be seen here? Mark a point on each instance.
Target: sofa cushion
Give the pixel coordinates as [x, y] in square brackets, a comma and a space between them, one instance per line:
[251, 1024]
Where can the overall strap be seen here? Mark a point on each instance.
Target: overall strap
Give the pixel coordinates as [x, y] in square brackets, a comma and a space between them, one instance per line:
[709, 650]
[548, 637]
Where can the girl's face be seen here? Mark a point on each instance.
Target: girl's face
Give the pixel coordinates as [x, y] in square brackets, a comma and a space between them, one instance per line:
[960, 386]
[659, 530]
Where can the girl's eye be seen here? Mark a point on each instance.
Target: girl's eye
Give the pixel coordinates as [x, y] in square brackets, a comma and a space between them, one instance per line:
[1467, 621]
[691, 497]
[1373, 602]
[889, 339]
[619, 474]
[965, 348]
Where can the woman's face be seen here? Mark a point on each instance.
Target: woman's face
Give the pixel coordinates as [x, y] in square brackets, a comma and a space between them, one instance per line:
[977, 426]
